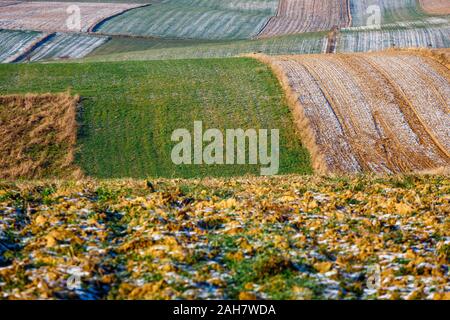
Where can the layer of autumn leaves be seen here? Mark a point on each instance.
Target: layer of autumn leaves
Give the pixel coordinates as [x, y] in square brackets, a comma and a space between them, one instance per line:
[289, 237]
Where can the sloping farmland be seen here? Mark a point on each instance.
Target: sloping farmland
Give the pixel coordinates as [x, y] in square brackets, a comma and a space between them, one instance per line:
[297, 16]
[383, 112]
[377, 40]
[194, 19]
[66, 46]
[436, 6]
[121, 48]
[58, 16]
[365, 12]
[16, 43]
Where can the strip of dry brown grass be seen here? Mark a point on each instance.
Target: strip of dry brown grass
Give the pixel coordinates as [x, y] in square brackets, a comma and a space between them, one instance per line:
[38, 136]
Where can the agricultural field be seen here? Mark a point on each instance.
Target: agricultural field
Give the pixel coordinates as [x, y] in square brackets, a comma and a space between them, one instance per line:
[96, 204]
[347, 40]
[378, 40]
[291, 237]
[127, 116]
[132, 49]
[386, 112]
[392, 11]
[19, 46]
[38, 135]
[53, 16]
[66, 46]
[298, 16]
[15, 43]
[194, 19]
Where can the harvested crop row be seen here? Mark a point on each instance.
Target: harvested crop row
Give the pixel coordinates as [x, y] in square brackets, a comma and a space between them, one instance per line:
[58, 16]
[384, 113]
[377, 40]
[16, 43]
[194, 19]
[436, 6]
[297, 16]
[38, 136]
[66, 46]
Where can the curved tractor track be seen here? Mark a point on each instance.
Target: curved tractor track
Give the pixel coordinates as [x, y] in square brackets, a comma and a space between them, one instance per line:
[382, 112]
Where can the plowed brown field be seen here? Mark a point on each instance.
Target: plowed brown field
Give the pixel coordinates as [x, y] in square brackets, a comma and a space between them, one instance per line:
[296, 16]
[386, 112]
[436, 6]
[56, 16]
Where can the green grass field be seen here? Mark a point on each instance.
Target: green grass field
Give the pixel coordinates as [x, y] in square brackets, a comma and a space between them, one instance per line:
[130, 109]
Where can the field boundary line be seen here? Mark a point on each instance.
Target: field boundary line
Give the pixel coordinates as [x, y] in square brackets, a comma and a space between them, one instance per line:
[402, 94]
[98, 23]
[257, 36]
[303, 126]
[349, 12]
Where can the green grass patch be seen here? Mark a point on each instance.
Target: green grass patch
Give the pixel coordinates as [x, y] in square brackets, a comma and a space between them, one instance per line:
[130, 109]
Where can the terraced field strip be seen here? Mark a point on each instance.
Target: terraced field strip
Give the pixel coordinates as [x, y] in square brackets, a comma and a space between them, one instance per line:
[16, 43]
[386, 112]
[365, 12]
[121, 49]
[194, 19]
[436, 6]
[66, 46]
[297, 16]
[377, 40]
[56, 16]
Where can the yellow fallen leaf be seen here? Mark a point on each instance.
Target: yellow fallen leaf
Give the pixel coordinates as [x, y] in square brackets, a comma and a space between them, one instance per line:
[403, 208]
[40, 220]
[323, 267]
[51, 241]
[247, 296]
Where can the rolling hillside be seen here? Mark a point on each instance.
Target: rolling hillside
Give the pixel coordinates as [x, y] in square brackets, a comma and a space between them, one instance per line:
[130, 109]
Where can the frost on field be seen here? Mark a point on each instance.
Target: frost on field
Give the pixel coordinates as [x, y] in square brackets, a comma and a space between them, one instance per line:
[390, 10]
[297, 16]
[380, 112]
[54, 16]
[291, 237]
[377, 40]
[195, 19]
[66, 46]
[16, 43]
